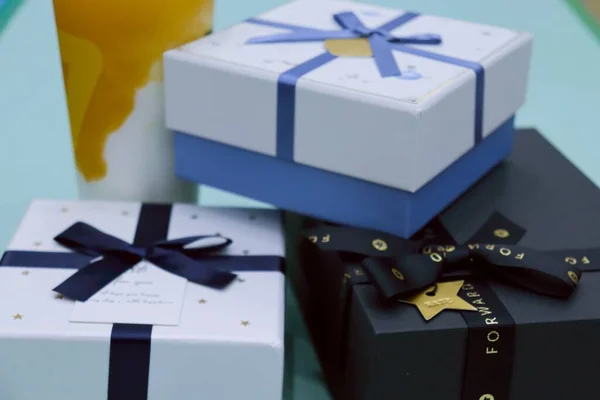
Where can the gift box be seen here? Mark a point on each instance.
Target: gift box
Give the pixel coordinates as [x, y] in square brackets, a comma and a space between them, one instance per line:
[514, 312]
[170, 338]
[369, 116]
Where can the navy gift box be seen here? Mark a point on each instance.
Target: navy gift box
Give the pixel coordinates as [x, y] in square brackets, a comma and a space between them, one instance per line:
[527, 345]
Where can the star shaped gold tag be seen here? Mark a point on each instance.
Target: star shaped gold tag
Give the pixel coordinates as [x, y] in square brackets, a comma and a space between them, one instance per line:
[446, 297]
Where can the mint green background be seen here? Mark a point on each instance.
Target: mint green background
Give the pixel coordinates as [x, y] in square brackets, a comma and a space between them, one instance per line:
[35, 152]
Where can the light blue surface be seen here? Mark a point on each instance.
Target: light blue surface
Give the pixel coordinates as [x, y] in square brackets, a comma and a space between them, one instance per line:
[35, 152]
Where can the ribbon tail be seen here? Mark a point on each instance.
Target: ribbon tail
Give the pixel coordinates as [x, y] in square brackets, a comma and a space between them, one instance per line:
[190, 269]
[349, 20]
[426, 38]
[89, 280]
[384, 58]
[302, 36]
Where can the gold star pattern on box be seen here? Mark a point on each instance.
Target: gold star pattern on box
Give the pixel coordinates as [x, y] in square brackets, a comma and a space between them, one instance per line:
[431, 302]
[17, 316]
[26, 273]
[245, 323]
[202, 301]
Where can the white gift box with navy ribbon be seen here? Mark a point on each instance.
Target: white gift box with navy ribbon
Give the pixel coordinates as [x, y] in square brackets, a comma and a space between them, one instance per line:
[390, 98]
[228, 343]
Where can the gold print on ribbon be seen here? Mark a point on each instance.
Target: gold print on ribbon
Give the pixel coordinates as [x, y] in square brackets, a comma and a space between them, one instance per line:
[573, 260]
[486, 396]
[426, 250]
[473, 246]
[379, 245]
[346, 277]
[435, 257]
[574, 277]
[450, 248]
[397, 274]
[490, 246]
[501, 233]
[324, 239]
[520, 256]
[504, 251]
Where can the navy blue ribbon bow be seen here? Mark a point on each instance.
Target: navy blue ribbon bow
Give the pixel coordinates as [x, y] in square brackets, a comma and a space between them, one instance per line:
[118, 256]
[380, 39]
[400, 267]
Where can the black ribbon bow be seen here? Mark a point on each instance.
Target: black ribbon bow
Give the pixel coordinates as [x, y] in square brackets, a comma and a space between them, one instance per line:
[117, 256]
[400, 267]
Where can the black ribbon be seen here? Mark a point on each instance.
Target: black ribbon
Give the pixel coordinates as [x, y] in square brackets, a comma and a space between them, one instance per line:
[130, 344]
[399, 267]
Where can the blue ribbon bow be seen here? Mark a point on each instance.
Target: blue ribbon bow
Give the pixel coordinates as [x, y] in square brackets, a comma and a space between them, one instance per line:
[379, 39]
[382, 45]
[118, 256]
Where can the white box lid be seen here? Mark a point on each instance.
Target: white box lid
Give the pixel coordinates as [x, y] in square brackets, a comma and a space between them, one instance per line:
[396, 131]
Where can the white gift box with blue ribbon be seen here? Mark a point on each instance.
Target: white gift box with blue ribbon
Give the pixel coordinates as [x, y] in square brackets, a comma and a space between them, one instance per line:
[349, 112]
[228, 343]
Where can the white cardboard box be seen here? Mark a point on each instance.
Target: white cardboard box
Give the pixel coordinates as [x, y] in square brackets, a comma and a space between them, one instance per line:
[348, 119]
[211, 354]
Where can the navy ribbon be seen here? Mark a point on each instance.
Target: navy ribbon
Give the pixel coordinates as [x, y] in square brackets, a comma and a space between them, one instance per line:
[381, 41]
[422, 263]
[118, 256]
[130, 344]
[399, 267]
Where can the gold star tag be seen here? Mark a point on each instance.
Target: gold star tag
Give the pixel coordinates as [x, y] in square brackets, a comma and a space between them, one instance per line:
[446, 297]
[17, 316]
[245, 323]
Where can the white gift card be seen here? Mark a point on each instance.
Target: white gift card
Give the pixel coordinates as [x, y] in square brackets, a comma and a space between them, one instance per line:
[145, 294]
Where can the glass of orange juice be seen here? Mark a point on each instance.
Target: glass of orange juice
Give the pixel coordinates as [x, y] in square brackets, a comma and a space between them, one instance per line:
[111, 53]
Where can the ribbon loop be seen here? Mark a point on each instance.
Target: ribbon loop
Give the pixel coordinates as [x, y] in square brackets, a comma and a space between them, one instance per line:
[426, 38]
[380, 39]
[400, 267]
[117, 256]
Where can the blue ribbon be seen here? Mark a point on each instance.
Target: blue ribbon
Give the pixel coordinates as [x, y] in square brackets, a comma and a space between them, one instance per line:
[382, 43]
[130, 344]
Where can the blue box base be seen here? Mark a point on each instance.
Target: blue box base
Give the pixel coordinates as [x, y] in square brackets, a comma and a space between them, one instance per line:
[334, 197]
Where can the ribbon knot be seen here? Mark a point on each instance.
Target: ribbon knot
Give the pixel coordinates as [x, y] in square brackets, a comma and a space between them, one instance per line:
[381, 41]
[113, 256]
[404, 267]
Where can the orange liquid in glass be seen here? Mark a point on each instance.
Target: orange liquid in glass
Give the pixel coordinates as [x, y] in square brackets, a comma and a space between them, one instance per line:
[109, 50]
